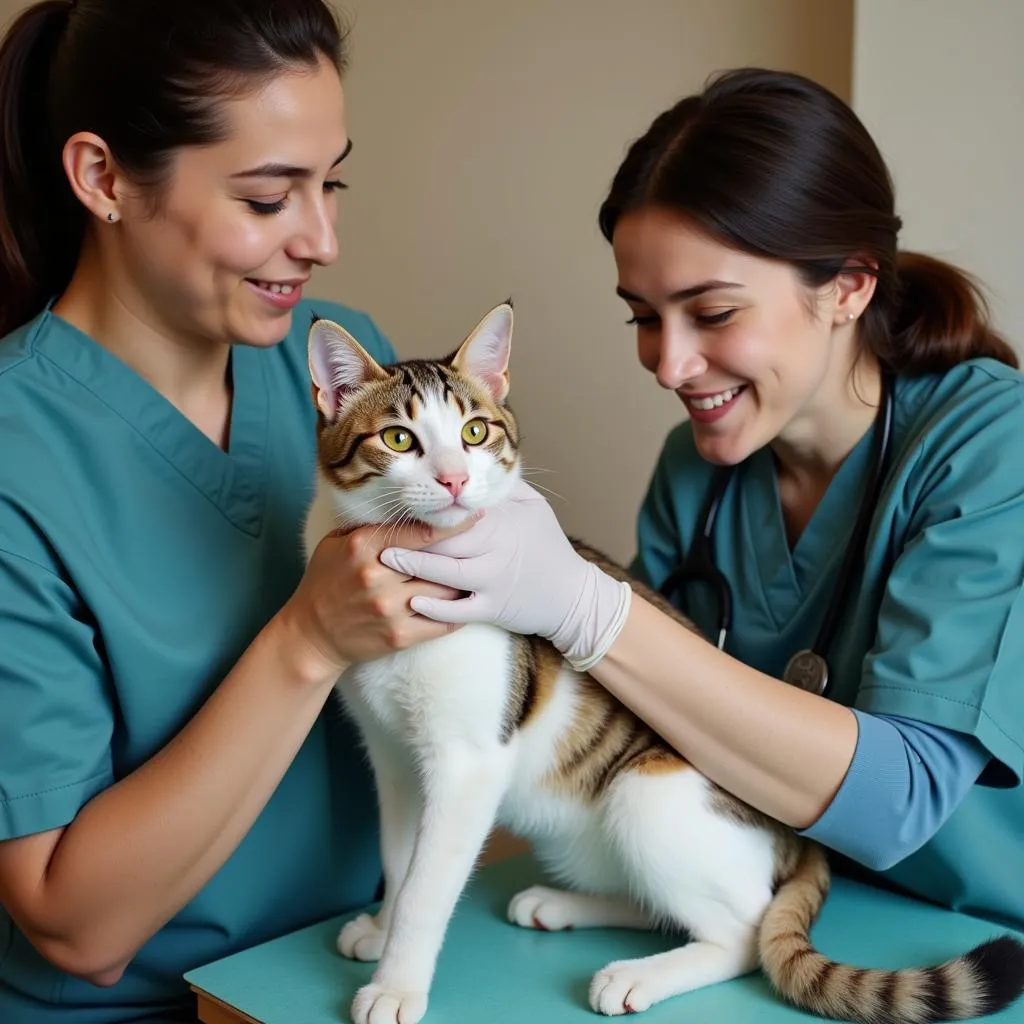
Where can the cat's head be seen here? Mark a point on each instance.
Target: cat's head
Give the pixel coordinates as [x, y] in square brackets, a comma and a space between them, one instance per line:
[425, 440]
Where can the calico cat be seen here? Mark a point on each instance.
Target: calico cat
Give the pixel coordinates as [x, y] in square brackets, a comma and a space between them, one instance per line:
[484, 727]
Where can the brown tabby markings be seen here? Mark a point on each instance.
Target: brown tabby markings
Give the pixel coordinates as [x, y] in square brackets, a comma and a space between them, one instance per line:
[351, 451]
[606, 739]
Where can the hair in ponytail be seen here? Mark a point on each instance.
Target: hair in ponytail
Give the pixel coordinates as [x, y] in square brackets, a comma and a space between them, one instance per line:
[777, 166]
[941, 319]
[40, 233]
[108, 67]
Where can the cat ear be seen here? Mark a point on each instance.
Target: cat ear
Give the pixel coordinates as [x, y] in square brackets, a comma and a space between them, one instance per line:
[485, 353]
[338, 365]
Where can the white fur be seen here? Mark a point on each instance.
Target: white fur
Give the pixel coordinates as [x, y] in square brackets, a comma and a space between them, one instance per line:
[649, 851]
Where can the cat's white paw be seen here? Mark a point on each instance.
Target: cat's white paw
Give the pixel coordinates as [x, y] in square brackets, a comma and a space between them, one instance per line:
[377, 1004]
[626, 986]
[362, 939]
[540, 907]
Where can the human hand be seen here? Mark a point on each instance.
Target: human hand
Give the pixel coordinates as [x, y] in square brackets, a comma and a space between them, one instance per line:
[522, 574]
[349, 607]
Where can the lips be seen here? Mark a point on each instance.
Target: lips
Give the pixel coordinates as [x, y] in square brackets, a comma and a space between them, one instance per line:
[273, 286]
[708, 408]
[706, 403]
[282, 295]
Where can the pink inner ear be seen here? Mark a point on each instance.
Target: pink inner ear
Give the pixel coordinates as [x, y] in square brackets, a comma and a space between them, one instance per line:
[486, 354]
[336, 368]
[496, 384]
[327, 397]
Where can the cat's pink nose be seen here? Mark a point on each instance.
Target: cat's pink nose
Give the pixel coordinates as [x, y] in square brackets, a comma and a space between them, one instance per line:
[452, 482]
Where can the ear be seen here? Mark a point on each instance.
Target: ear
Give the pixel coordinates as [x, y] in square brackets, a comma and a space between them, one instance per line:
[855, 285]
[485, 353]
[94, 176]
[338, 365]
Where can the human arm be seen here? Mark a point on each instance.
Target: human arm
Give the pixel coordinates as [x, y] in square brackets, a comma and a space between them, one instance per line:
[780, 749]
[89, 888]
[906, 778]
[945, 651]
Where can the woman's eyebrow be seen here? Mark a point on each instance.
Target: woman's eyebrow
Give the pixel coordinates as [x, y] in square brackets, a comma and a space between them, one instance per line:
[684, 293]
[273, 170]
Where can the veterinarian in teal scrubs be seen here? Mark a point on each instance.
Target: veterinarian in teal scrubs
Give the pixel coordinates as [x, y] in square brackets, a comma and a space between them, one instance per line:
[171, 789]
[830, 381]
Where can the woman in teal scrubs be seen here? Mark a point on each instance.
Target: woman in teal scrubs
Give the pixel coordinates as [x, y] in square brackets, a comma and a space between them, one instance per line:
[170, 790]
[755, 237]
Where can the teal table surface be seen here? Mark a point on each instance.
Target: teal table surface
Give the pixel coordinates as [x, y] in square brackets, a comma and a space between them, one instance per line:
[490, 970]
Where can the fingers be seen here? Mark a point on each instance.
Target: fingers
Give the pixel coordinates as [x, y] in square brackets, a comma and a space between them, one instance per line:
[419, 629]
[468, 545]
[421, 588]
[467, 609]
[449, 572]
[373, 539]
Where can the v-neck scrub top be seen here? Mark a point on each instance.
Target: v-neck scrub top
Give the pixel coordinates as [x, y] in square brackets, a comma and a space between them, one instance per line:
[138, 560]
[933, 633]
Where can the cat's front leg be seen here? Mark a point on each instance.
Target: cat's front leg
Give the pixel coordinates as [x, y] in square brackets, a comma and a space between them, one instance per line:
[464, 786]
[400, 804]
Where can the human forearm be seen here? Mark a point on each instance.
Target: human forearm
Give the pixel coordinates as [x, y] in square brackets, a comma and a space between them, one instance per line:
[780, 749]
[906, 778]
[139, 851]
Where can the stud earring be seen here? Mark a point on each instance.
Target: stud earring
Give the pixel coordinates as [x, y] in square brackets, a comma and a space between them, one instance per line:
[850, 316]
[110, 217]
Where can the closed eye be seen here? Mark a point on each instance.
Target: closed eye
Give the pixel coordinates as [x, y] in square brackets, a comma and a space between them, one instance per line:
[269, 209]
[706, 320]
[642, 321]
[710, 319]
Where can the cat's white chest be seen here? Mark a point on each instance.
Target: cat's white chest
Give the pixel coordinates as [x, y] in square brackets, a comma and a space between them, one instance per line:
[455, 687]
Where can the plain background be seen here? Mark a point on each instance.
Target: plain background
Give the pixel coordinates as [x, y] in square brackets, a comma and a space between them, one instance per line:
[486, 134]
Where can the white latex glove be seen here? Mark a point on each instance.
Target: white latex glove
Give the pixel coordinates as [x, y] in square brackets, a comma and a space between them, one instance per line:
[522, 573]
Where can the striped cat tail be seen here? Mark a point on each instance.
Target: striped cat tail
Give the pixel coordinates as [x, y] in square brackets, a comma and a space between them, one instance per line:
[985, 980]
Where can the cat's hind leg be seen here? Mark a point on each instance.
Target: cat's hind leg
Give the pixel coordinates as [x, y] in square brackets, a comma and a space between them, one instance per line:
[554, 910]
[695, 868]
[722, 948]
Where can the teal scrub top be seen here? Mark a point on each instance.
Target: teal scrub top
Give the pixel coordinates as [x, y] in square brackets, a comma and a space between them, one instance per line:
[935, 629]
[137, 562]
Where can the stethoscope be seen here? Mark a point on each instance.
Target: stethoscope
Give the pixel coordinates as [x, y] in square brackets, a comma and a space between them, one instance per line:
[807, 669]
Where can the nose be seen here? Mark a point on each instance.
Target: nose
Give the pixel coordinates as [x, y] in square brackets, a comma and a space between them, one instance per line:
[315, 241]
[679, 358]
[452, 482]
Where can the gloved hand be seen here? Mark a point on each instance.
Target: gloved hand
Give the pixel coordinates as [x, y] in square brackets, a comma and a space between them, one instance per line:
[523, 574]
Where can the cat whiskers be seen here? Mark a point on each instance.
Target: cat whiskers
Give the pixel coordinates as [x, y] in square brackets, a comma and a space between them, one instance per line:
[391, 523]
[374, 509]
[533, 471]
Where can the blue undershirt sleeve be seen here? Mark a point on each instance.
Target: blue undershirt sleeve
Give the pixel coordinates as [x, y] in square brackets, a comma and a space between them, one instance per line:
[905, 779]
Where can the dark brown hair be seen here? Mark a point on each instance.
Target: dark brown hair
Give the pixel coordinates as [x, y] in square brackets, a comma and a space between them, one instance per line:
[777, 166]
[144, 75]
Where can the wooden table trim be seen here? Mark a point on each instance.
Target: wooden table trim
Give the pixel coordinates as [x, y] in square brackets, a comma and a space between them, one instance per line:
[213, 1011]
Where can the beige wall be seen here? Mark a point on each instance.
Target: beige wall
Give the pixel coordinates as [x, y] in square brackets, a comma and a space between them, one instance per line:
[940, 84]
[485, 136]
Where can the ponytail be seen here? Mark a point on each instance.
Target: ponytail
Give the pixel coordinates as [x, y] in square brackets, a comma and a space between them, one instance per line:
[41, 225]
[941, 319]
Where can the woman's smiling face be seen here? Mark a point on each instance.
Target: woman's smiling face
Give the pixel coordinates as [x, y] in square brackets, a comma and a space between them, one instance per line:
[742, 341]
[241, 224]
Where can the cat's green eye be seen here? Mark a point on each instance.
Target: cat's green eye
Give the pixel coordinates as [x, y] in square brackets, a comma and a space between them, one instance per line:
[398, 439]
[475, 432]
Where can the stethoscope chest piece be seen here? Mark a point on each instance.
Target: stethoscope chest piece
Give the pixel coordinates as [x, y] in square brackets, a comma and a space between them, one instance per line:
[808, 670]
